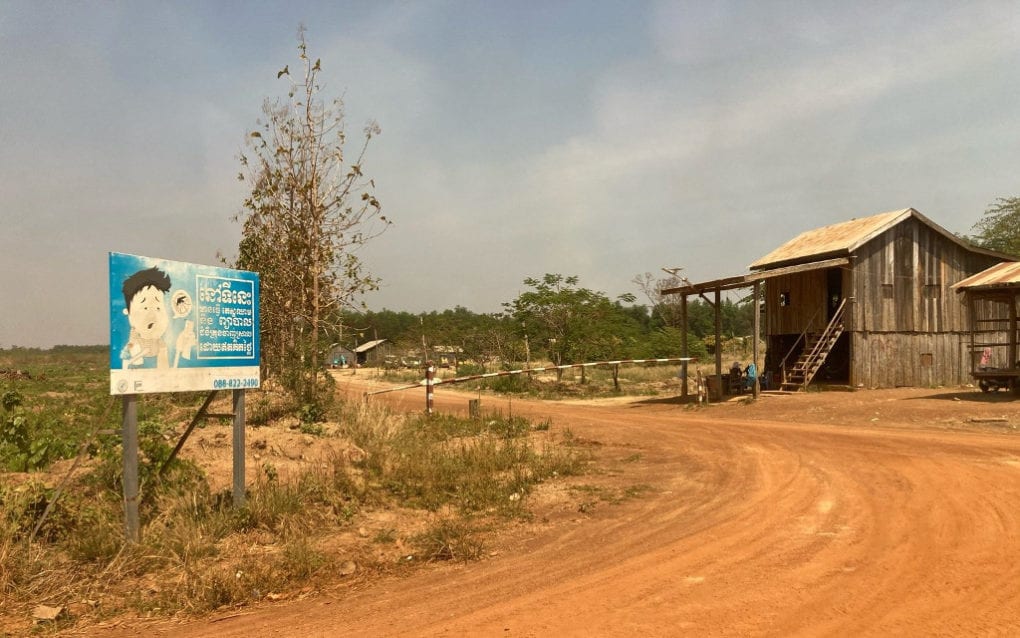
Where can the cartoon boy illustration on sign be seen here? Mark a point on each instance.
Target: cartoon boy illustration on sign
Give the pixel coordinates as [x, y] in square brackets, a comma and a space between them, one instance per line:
[145, 307]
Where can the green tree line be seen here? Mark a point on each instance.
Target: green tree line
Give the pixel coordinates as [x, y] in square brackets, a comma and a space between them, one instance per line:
[555, 319]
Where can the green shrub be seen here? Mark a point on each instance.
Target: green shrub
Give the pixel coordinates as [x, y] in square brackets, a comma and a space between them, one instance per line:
[511, 384]
[311, 413]
[468, 369]
[22, 448]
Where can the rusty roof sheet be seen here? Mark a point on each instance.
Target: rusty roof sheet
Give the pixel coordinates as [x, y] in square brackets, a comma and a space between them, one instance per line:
[1004, 275]
[837, 239]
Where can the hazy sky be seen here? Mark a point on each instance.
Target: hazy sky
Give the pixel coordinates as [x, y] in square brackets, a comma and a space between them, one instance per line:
[598, 139]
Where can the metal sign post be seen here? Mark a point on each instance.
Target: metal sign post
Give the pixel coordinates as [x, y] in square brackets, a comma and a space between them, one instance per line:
[130, 446]
[238, 448]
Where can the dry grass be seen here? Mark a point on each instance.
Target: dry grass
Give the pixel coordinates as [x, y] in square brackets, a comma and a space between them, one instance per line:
[450, 477]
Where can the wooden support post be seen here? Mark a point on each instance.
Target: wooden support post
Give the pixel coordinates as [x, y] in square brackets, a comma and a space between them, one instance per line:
[238, 401]
[754, 341]
[129, 444]
[718, 342]
[684, 346]
[973, 328]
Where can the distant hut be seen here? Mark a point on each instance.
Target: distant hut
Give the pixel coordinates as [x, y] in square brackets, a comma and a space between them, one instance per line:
[372, 353]
[340, 356]
[866, 302]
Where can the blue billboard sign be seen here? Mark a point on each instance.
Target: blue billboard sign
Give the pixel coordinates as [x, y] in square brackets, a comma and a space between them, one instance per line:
[180, 327]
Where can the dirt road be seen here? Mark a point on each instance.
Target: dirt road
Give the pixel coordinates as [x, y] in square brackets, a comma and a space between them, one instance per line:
[752, 526]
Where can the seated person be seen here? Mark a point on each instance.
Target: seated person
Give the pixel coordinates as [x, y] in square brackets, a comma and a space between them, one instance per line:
[986, 359]
[735, 377]
[750, 372]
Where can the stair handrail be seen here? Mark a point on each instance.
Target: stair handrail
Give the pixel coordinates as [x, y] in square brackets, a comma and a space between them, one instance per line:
[834, 323]
[803, 335]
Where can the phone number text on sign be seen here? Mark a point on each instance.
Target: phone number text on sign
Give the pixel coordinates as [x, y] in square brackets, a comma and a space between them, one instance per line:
[235, 384]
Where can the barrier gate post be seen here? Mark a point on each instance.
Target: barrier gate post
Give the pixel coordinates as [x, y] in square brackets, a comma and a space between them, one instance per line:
[430, 375]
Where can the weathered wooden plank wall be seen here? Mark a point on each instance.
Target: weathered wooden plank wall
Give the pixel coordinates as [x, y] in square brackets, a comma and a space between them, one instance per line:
[908, 327]
[902, 281]
[806, 294]
[889, 359]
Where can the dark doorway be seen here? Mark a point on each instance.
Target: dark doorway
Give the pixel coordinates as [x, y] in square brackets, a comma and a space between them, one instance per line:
[833, 291]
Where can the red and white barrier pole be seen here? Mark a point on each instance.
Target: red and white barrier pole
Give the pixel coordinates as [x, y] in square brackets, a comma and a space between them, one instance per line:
[431, 381]
[430, 378]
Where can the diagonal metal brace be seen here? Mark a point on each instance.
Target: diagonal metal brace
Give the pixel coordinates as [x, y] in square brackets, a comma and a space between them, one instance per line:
[202, 414]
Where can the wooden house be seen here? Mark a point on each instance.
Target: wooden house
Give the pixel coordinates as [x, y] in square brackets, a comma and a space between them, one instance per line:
[866, 303]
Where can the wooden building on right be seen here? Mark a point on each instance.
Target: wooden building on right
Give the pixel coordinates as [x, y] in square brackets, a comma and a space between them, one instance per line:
[866, 303]
[885, 316]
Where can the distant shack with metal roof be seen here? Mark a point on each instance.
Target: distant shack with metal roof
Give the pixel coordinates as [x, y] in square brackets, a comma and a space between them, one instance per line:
[372, 353]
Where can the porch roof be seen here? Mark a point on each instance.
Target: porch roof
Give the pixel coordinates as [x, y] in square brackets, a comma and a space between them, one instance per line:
[743, 281]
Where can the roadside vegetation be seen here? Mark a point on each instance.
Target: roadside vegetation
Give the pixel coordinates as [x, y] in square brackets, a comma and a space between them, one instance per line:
[591, 382]
[389, 491]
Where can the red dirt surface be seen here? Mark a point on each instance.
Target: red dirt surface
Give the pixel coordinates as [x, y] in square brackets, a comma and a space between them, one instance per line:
[881, 513]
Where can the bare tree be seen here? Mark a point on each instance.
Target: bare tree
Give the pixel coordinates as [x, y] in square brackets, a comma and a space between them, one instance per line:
[667, 307]
[309, 210]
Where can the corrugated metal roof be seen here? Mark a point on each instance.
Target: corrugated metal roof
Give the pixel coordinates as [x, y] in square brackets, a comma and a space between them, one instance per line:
[1004, 275]
[835, 240]
[368, 345]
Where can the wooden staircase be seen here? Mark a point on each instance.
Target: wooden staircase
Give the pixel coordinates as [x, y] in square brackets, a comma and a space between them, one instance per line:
[816, 349]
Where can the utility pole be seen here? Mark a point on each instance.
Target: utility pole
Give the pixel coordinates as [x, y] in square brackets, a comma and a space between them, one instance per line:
[424, 348]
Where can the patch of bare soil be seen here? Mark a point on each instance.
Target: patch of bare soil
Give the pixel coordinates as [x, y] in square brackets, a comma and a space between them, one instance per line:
[888, 512]
[946, 408]
[283, 447]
